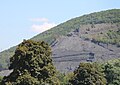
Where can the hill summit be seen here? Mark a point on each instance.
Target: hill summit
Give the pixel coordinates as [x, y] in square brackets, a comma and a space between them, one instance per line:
[93, 37]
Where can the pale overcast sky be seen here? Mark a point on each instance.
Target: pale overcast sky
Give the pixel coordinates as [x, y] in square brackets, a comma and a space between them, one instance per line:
[23, 19]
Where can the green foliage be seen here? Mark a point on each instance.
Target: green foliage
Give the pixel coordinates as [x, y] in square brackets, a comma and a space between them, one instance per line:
[32, 65]
[109, 16]
[26, 79]
[61, 76]
[111, 37]
[67, 77]
[64, 79]
[88, 74]
[1, 79]
[112, 72]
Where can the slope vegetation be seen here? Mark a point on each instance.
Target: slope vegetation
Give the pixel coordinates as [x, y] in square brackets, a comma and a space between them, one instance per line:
[92, 37]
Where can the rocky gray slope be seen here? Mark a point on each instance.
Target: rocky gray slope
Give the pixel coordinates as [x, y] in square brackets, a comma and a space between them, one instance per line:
[69, 51]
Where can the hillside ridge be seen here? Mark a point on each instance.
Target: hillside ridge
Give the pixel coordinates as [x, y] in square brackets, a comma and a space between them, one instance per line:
[79, 39]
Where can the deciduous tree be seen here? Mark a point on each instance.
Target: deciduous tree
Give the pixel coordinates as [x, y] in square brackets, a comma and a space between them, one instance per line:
[87, 74]
[32, 65]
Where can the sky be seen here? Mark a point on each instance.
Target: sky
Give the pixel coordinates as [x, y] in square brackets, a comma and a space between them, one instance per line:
[23, 19]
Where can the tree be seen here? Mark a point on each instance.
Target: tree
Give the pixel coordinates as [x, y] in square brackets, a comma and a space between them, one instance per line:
[112, 72]
[32, 65]
[88, 74]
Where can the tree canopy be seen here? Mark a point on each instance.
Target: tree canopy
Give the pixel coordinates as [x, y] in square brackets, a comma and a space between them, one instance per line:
[32, 65]
[88, 74]
[112, 72]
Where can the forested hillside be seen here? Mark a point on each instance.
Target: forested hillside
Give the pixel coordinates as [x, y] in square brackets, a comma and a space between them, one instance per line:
[109, 16]
[95, 29]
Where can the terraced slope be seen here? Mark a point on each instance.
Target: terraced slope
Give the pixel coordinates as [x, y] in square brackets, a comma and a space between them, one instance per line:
[69, 51]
